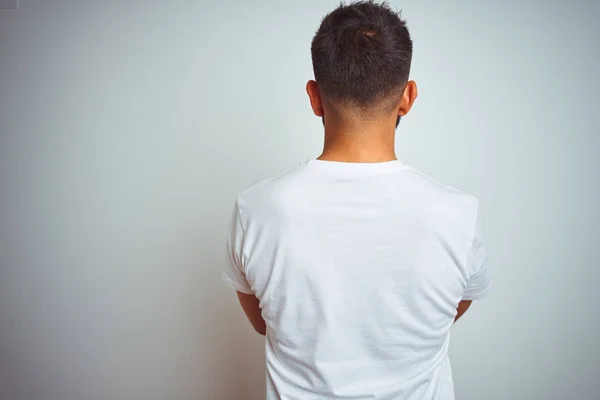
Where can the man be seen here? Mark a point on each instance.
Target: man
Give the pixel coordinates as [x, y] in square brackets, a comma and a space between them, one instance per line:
[355, 265]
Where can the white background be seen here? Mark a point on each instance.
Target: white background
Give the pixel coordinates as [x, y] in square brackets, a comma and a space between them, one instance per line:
[128, 127]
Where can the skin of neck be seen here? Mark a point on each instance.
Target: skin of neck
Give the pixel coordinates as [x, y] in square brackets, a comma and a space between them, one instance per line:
[352, 140]
[352, 136]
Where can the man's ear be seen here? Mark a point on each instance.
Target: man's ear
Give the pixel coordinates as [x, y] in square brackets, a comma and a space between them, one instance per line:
[314, 94]
[408, 98]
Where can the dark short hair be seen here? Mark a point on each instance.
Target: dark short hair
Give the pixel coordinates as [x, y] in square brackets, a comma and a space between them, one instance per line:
[361, 54]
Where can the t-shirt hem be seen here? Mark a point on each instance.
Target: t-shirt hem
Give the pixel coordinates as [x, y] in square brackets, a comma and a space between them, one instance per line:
[235, 285]
[478, 296]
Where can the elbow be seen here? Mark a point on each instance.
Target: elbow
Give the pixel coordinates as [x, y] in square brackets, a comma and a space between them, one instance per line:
[261, 329]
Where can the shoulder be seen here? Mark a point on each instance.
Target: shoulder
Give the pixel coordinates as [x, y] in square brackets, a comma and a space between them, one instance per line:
[266, 192]
[445, 205]
[440, 193]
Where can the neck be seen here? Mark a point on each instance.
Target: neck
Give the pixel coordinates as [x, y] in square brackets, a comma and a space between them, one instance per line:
[363, 143]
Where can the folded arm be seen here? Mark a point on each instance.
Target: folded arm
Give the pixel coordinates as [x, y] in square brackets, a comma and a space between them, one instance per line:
[251, 307]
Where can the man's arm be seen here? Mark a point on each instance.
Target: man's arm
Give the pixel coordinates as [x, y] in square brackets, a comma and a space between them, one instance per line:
[251, 307]
[478, 284]
[462, 308]
[234, 272]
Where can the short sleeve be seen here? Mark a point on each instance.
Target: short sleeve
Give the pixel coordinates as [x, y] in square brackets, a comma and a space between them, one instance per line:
[480, 280]
[233, 269]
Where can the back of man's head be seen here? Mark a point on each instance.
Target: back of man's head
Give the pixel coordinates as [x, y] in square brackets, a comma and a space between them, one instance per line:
[361, 57]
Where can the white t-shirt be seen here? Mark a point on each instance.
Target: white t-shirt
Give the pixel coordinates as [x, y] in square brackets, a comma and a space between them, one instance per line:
[359, 268]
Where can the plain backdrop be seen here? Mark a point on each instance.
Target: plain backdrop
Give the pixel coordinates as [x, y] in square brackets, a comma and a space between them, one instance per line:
[128, 127]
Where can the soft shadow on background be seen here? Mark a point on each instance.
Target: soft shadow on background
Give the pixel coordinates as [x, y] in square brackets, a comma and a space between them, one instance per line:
[127, 128]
